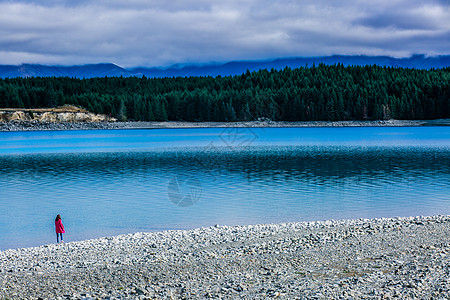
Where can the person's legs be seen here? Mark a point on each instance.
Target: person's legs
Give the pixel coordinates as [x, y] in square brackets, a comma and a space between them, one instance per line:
[59, 235]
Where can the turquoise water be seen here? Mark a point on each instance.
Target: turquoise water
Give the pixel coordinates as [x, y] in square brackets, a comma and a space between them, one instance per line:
[108, 182]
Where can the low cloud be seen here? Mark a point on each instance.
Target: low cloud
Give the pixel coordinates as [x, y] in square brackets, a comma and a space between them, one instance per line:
[160, 33]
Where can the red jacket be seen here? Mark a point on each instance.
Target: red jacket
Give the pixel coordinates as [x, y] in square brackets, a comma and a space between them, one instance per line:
[59, 226]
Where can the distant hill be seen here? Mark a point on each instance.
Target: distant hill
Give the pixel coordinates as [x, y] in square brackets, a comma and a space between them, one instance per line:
[84, 71]
[230, 68]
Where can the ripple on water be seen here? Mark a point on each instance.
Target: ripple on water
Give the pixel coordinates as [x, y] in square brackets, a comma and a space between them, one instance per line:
[118, 192]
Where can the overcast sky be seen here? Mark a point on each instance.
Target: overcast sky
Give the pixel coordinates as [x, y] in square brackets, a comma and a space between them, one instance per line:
[163, 32]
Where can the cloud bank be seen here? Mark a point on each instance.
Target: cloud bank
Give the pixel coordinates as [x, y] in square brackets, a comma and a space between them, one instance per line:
[160, 33]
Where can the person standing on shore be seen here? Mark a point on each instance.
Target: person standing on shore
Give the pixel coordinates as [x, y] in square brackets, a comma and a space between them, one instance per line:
[59, 229]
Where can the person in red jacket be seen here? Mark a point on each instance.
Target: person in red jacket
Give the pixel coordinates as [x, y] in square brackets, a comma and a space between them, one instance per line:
[59, 229]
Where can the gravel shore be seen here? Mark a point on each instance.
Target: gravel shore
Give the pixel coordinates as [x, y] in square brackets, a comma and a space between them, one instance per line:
[370, 259]
[32, 125]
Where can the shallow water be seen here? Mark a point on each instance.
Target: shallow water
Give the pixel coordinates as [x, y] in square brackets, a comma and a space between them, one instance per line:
[118, 181]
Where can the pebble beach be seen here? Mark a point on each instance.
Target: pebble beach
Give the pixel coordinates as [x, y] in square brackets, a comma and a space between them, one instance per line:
[384, 258]
[46, 126]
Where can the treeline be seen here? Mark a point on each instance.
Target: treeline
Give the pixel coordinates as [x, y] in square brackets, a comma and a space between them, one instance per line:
[305, 94]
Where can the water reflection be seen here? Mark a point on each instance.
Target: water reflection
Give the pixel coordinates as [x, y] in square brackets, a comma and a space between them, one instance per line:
[117, 192]
[270, 164]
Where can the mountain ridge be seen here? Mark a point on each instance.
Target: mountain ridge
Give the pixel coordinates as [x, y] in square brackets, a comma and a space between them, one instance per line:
[222, 69]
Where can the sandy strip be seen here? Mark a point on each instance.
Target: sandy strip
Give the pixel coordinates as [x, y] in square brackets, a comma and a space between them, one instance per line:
[268, 123]
[376, 258]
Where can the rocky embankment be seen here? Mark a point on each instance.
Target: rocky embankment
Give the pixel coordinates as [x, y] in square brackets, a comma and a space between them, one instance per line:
[61, 118]
[402, 258]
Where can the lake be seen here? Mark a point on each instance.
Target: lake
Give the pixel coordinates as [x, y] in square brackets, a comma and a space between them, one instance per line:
[108, 182]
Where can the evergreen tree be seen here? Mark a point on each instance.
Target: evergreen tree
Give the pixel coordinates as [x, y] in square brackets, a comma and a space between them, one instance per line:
[122, 111]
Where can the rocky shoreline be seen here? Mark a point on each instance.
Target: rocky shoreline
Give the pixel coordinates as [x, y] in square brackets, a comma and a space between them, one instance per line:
[366, 258]
[49, 126]
[35, 125]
